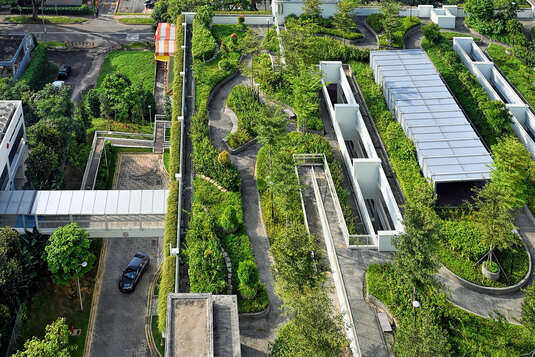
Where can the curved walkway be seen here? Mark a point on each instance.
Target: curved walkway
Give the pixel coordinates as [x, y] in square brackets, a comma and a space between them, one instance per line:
[370, 39]
[255, 335]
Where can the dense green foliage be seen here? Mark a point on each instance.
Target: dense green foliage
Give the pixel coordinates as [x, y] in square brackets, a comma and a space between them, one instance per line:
[39, 70]
[66, 250]
[203, 43]
[138, 66]
[215, 208]
[176, 107]
[496, 19]
[375, 22]
[54, 344]
[521, 75]
[398, 32]
[270, 42]
[467, 334]
[245, 103]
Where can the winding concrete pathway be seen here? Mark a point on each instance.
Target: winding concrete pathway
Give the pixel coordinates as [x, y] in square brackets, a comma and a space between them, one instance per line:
[255, 335]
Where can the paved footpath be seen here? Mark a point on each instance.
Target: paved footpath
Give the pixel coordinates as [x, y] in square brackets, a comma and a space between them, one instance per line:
[255, 335]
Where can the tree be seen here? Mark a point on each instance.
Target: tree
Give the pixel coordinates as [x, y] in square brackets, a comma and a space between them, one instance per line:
[11, 272]
[54, 344]
[479, 10]
[343, 20]
[296, 43]
[42, 168]
[390, 21]
[66, 250]
[116, 99]
[314, 329]
[44, 132]
[421, 337]
[35, 5]
[528, 310]
[513, 169]
[52, 102]
[78, 154]
[416, 259]
[269, 128]
[495, 217]
[305, 92]
[311, 9]
[431, 31]
[250, 46]
[298, 266]
[204, 15]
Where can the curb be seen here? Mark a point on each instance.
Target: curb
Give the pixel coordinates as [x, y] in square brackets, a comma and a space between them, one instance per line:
[96, 297]
[148, 313]
[495, 291]
[251, 316]
[372, 31]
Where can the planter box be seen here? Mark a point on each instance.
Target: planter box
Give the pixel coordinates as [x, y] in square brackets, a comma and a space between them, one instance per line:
[490, 275]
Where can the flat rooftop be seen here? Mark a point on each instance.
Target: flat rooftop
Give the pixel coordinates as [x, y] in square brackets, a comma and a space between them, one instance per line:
[9, 44]
[202, 325]
[448, 148]
[7, 109]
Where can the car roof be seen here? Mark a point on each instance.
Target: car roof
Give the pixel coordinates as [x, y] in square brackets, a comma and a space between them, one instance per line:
[135, 263]
[140, 255]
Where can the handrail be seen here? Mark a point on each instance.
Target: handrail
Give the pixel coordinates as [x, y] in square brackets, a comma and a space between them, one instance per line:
[337, 275]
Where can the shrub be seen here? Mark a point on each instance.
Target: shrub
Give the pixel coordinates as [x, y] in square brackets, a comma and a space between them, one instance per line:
[34, 75]
[431, 31]
[248, 276]
[270, 42]
[375, 22]
[224, 158]
[92, 102]
[492, 267]
[203, 15]
[224, 64]
[230, 220]
[203, 44]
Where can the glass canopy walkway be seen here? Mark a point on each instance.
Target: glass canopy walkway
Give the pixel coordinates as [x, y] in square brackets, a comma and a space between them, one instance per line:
[115, 213]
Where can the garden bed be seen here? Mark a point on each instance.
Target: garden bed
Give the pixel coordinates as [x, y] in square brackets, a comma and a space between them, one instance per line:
[136, 65]
[374, 21]
[467, 334]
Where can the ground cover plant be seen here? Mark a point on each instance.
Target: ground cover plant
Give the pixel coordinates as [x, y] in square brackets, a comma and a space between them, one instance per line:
[135, 20]
[138, 66]
[47, 20]
[466, 334]
[449, 35]
[225, 213]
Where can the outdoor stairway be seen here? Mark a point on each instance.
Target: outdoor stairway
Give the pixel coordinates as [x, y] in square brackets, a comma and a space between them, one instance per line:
[369, 334]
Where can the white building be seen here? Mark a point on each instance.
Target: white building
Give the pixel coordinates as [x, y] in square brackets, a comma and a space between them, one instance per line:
[14, 148]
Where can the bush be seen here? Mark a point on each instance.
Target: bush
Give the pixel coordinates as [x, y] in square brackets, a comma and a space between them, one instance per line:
[35, 75]
[230, 220]
[270, 42]
[52, 10]
[431, 31]
[225, 64]
[375, 22]
[337, 32]
[248, 276]
[397, 35]
[464, 237]
[492, 267]
[203, 15]
[203, 43]
[224, 158]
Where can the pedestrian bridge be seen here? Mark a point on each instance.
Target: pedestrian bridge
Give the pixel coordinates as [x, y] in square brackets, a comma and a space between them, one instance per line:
[106, 214]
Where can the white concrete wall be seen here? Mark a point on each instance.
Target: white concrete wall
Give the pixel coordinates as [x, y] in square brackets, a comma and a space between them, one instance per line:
[8, 143]
[485, 72]
[249, 19]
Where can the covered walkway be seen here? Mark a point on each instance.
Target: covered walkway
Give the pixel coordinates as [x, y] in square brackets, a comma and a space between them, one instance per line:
[115, 213]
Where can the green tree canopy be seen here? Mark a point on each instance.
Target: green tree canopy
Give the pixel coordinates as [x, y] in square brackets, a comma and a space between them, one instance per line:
[52, 102]
[416, 258]
[11, 272]
[343, 19]
[311, 8]
[390, 20]
[306, 85]
[480, 9]
[54, 344]
[42, 168]
[66, 250]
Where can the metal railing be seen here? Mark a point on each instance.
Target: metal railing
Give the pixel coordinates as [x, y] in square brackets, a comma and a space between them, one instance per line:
[16, 329]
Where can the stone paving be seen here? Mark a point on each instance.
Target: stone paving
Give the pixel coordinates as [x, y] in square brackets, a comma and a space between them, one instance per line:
[139, 171]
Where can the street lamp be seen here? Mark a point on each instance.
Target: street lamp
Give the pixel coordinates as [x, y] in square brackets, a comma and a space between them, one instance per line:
[84, 264]
[150, 116]
[415, 305]
[267, 20]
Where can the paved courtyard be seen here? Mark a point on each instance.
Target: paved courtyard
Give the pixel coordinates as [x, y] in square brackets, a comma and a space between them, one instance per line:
[119, 328]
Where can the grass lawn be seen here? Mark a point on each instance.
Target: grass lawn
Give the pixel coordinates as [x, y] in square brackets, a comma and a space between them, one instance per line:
[141, 45]
[48, 20]
[112, 125]
[53, 301]
[136, 65]
[53, 44]
[158, 341]
[135, 20]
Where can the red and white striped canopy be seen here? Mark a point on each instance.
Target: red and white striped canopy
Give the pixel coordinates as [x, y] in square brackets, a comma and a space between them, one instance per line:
[165, 39]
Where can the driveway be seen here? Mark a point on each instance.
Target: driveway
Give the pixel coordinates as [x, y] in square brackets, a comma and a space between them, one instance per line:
[137, 6]
[119, 328]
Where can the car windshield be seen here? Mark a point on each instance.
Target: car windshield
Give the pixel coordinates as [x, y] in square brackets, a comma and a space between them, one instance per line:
[130, 275]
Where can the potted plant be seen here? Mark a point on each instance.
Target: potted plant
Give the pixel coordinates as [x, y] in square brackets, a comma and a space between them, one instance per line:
[491, 270]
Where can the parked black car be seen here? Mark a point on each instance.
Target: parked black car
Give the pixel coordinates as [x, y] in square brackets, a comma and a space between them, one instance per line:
[133, 272]
[149, 4]
[64, 72]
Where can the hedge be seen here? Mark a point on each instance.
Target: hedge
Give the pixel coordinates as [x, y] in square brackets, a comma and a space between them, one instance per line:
[52, 10]
[203, 43]
[35, 74]
[491, 118]
[337, 32]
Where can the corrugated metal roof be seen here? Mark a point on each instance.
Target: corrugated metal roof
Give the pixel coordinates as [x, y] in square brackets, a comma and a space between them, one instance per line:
[448, 148]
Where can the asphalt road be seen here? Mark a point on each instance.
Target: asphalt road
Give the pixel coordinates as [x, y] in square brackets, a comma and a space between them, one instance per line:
[120, 318]
[132, 6]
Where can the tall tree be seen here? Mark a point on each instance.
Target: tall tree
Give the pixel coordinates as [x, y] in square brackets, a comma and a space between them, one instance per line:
[494, 217]
[295, 41]
[416, 259]
[54, 344]
[311, 9]
[297, 256]
[343, 19]
[11, 272]
[306, 85]
[421, 337]
[250, 46]
[42, 168]
[390, 20]
[269, 128]
[66, 250]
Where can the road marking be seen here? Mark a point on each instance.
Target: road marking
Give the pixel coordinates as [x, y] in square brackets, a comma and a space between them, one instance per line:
[132, 37]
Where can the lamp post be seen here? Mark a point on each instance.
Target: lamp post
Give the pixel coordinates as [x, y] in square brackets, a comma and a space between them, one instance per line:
[415, 305]
[43, 16]
[267, 20]
[150, 115]
[84, 264]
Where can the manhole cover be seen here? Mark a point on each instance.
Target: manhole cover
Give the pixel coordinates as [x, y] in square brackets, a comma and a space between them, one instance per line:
[132, 37]
[155, 242]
